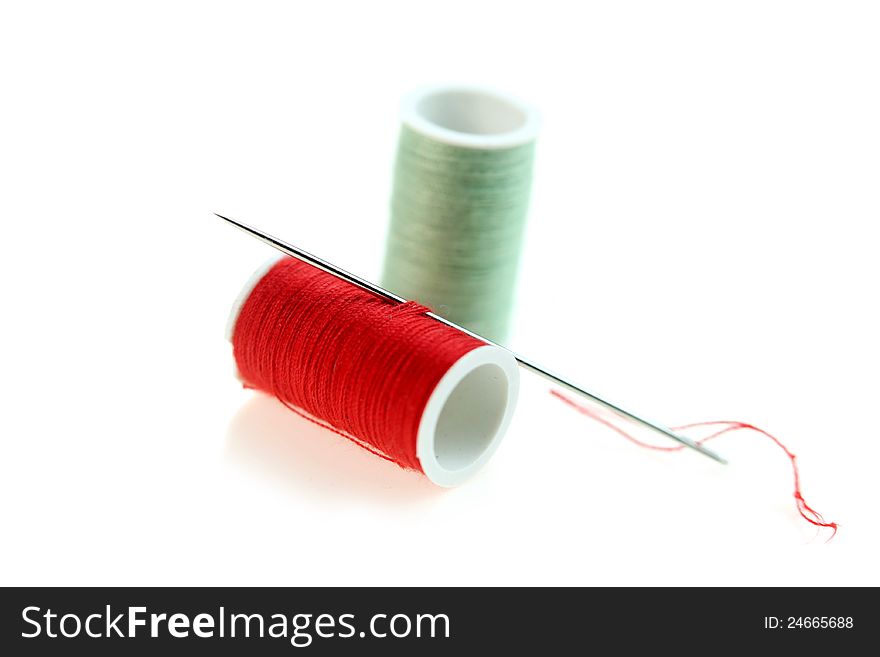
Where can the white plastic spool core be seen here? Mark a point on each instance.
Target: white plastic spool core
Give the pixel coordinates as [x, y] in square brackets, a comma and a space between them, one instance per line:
[238, 304]
[466, 415]
[472, 117]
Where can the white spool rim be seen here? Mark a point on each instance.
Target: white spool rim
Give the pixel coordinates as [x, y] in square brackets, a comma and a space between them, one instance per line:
[238, 304]
[467, 415]
[470, 116]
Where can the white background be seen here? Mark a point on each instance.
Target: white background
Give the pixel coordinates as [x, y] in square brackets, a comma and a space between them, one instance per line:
[702, 245]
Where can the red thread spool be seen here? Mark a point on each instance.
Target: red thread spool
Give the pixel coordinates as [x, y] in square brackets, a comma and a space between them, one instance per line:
[396, 382]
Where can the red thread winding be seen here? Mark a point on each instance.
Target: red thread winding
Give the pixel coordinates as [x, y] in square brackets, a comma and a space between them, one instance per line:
[343, 358]
[807, 512]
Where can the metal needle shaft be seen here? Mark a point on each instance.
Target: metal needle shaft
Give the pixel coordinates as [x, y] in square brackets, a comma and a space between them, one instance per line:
[305, 256]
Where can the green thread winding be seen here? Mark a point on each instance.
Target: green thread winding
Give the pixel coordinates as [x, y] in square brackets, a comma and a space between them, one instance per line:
[457, 220]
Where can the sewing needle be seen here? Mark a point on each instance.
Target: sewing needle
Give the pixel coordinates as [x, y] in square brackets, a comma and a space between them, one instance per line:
[315, 261]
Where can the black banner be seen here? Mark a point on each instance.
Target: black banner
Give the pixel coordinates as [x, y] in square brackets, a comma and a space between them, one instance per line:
[171, 621]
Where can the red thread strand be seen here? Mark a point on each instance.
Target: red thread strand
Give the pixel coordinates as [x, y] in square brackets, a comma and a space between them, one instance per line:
[344, 359]
[806, 511]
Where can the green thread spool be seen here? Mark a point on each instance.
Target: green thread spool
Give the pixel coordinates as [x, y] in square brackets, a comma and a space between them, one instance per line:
[462, 182]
